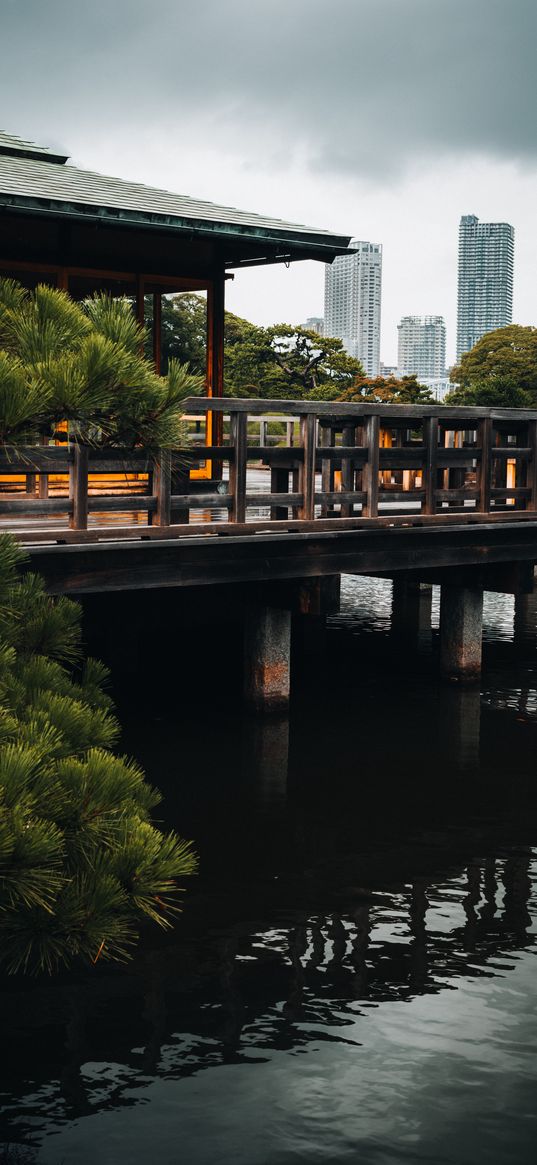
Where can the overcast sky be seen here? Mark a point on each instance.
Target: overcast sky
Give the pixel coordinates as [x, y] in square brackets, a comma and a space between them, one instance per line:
[382, 119]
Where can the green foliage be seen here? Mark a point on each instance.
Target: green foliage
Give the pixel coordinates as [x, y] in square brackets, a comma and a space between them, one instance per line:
[391, 390]
[81, 864]
[499, 370]
[184, 331]
[284, 362]
[496, 392]
[84, 364]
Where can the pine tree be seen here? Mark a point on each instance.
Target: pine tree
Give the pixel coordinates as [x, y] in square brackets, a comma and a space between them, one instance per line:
[81, 864]
[84, 364]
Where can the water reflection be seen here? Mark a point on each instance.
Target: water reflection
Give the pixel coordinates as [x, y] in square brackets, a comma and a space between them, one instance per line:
[354, 976]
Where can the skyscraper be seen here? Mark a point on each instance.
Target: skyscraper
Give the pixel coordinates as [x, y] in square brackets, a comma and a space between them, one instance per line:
[485, 299]
[421, 348]
[352, 295]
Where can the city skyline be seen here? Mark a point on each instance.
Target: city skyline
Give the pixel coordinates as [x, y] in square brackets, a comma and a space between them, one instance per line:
[485, 279]
[421, 349]
[309, 137]
[353, 300]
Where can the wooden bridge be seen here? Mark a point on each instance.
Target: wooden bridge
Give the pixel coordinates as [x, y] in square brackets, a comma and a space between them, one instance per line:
[300, 492]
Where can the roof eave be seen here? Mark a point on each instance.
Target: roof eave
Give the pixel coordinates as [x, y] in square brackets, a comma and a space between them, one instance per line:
[324, 247]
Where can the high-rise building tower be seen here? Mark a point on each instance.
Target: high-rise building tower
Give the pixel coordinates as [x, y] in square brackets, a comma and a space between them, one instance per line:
[485, 299]
[421, 347]
[352, 295]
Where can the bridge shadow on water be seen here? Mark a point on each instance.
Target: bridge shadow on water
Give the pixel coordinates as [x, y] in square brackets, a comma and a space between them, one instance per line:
[349, 980]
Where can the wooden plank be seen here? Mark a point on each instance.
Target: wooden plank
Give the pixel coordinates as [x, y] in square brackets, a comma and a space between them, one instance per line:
[237, 469]
[225, 530]
[370, 472]
[30, 459]
[356, 454]
[162, 488]
[201, 501]
[388, 494]
[511, 452]
[520, 491]
[275, 499]
[78, 488]
[450, 416]
[277, 455]
[406, 457]
[465, 493]
[306, 471]
[121, 503]
[341, 497]
[31, 505]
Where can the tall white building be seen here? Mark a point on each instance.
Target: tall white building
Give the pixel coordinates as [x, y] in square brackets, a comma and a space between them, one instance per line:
[421, 348]
[485, 299]
[352, 297]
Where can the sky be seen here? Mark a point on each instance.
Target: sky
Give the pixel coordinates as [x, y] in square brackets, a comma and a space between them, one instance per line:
[381, 119]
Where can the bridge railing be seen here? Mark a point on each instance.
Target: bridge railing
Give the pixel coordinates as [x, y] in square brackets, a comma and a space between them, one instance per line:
[321, 460]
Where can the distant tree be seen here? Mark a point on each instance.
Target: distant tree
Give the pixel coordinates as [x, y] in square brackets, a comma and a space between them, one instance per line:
[496, 392]
[389, 389]
[286, 362]
[500, 369]
[184, 331]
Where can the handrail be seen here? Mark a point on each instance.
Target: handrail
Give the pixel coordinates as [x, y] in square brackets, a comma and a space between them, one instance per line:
[333, 461]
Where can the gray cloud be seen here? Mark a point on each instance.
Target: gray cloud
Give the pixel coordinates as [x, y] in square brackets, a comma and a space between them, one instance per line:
[364, 87]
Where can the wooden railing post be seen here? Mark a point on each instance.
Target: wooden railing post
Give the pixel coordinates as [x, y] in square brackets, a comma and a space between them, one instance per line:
[484, 471]
[531, 472]
[162, 488]
[306, 476]
[370, 476]
[327, 440]
[430, 440]
[348, 438]
[78, 488]
[238, 466]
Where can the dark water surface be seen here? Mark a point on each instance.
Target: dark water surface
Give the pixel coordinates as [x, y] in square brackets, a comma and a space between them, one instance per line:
[354, 976]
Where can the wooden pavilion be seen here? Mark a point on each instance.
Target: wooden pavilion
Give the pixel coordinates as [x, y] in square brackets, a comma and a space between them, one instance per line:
[85, 232]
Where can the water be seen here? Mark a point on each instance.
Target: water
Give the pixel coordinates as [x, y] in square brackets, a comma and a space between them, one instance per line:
[354, 976]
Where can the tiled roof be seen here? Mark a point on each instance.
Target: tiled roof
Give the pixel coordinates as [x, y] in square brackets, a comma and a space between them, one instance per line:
[39, 176]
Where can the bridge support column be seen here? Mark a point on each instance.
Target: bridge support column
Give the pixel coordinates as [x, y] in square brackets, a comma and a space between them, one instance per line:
[267, 659]
[411, 609]
[461, 626]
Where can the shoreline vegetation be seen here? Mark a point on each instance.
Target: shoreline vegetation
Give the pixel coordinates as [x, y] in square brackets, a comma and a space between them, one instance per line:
[82, 867]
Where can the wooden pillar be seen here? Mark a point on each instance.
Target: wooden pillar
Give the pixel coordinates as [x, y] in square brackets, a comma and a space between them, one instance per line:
[157, 330]
[140, 304]
[215, 353]
[267, 655]
[306, 473]
[238, 467]
[78, 488]
[461, 625]
[370, 473]
[162, 488]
